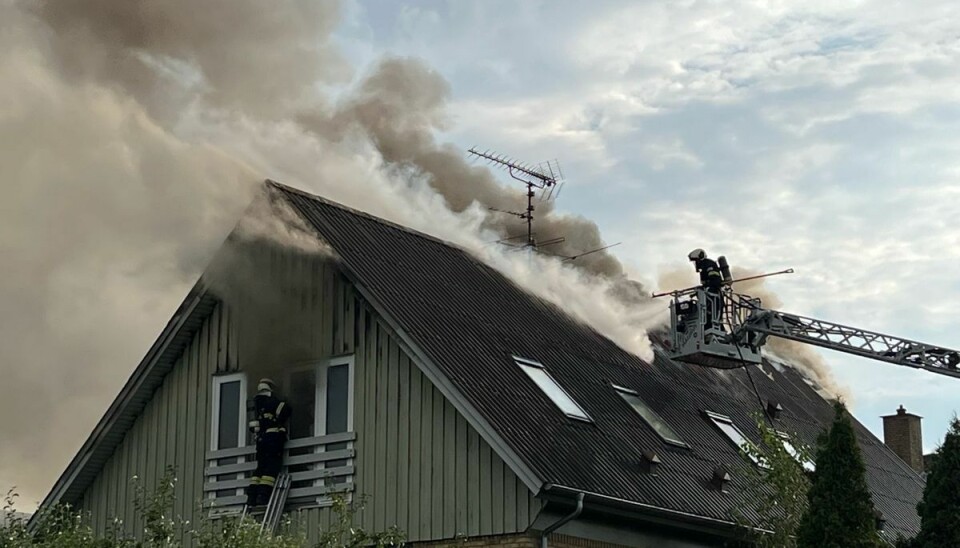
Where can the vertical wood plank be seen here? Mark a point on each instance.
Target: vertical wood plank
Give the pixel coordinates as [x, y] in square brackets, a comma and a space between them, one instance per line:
[170, 412]
[359, 409]
[449, 469]
[486, 501]
[403, 446]
[189, 412]
[496, 495]
[313, 525]
[133, 457]
[509, 501]
[223, 339]
[137, 471]
[120, 455]
[233, 337]
[523, 506]
[380, 501]
[437, 462]
[391, 404]
[416, 463]
[194, 460]
[329, 329]
[143, 426]
[426, 456]
[97, 504]
[163, 402]
[338, 314]
[111, 491]
[462, 485]
[349, 321]
[205, 372]
[473, 480]
[370, 414]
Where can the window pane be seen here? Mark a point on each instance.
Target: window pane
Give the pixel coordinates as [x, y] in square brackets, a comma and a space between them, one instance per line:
[651, 417]
[302, 397]
[553, 391]
[338, 398]
[228, 435]
[338, 401]
[736, 436]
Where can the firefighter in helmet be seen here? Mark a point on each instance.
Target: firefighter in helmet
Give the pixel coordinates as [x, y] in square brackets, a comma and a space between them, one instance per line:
[269, 427]
[711, 279]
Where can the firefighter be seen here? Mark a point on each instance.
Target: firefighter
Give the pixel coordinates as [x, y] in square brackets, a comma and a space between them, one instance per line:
[269, 426]
[711, 279]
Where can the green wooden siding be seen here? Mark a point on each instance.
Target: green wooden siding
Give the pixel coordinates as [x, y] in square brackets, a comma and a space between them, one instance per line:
[431, 475]
[423, 467]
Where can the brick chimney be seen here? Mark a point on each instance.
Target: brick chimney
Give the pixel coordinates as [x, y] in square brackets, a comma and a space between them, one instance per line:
[901, 432]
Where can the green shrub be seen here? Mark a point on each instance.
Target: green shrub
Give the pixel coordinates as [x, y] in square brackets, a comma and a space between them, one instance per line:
[65, 527]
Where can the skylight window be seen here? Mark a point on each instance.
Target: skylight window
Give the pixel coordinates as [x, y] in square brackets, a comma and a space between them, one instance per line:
[725, 424]
[557, 395]
[649, 416]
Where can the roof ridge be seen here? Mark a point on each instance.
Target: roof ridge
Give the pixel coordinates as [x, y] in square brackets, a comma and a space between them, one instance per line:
[369, 216]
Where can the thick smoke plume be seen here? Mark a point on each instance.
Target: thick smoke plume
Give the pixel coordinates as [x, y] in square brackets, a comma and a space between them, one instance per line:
[132, 137]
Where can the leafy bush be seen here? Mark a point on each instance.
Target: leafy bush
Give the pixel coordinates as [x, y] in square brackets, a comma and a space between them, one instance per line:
[65, 527]
[778, 487]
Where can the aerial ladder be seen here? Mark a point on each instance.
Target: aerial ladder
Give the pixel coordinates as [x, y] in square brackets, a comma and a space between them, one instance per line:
[727, 330]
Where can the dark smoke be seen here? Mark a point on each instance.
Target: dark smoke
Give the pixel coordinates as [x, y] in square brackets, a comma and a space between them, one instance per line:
[132, 136]
[400, 106]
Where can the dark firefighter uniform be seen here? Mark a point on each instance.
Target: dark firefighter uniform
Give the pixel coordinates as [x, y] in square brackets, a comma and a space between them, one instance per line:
[269, 425]
[711, 278]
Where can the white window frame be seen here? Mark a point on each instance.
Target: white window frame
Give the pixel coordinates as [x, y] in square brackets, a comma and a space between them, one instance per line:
[672, 441]
[524, 363]
[215, 412]
[320, 401]
[319, 368]
[242, 418]
[717, 418]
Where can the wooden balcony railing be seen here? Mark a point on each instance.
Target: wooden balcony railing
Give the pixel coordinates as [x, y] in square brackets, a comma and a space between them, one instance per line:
[319, 467]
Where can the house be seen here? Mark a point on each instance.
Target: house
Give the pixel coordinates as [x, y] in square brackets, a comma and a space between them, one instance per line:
[461, 404]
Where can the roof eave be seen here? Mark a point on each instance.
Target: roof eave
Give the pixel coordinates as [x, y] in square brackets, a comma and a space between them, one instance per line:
[726, 529]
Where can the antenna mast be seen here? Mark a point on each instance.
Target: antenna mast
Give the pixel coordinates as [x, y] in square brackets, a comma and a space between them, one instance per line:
[546, 177]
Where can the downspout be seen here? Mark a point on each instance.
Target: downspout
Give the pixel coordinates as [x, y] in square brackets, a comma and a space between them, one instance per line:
[563, 521]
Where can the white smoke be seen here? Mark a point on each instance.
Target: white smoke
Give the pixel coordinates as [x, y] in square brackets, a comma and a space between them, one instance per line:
[132, 137]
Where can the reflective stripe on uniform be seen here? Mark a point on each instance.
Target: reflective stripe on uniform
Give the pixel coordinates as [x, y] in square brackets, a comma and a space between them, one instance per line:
[271, 430]
[280, 408]
[267, 480]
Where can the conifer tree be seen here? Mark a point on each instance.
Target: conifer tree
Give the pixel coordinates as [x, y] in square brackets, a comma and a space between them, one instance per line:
[940, 507]
[840, 511]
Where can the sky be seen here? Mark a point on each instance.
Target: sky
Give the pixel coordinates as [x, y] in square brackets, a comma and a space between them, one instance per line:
[821, 136]
[818, 136]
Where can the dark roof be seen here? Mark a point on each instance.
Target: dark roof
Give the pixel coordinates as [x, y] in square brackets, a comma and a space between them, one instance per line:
[468, 320]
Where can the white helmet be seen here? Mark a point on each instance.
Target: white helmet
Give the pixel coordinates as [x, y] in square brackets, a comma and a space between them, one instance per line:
[697, 254]
[266, 385]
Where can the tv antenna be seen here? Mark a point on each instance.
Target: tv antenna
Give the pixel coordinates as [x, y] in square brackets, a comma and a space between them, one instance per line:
[547, 177]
